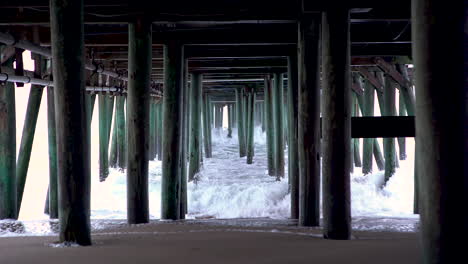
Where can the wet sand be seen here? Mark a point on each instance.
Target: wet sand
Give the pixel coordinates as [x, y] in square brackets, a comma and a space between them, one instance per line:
[211, 242]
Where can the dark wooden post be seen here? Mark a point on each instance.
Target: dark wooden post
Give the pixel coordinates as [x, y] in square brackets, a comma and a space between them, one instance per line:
[29, 129]
[172, 133]
[103, 137]
[368, 143]
[114, 145]
[138, 99]
[240, 123]
[51, 131]
[270, 126]
[121, 132]
[160, 129]
[66, 20]
[206, 126]
[308, 133]
[152, 130]
[8, 189]
[336, 124]
[278, 121]
[401, 140]
[195, 104]
[293, 154]
[250, 125]
[184, 134]
[229, 114]
[389, 143]
[441, 126]
[355, 145]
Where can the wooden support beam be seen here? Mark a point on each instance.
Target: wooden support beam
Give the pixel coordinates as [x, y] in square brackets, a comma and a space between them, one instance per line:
[278, 103]
[139, 51]
[392, 72]
[441, 126]
[250, 124]
[230, 111]
[371, 78]
[8, 189]
[184, 140]
[389, 142]
[74, 181]
[206, 126]
[52, 142]
[383, 127]
[270, 125]
[195, 123]
[121, 138]
[29, 129]
[172, 134]
[368, 143]
[103, 136]
[355, 145]
[240, 123]
[336, 124]
[401, 140]
[308, 121]
[292, 111]
[160, 129]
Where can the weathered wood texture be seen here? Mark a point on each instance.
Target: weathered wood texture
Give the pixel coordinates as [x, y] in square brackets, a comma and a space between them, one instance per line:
[278, 104]
[51, 136]
[250, 125]
[74, 182]
[336, 124]
[270, 126]
[172, 133]
[29, 129]
[308, 131]
[293, 155]
[8, 199]
[441, 126]
[195, 124]
[139, 71]
[240, 123]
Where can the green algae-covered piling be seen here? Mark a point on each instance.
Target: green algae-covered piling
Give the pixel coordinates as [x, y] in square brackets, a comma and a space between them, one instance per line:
[138, 99]
[74, 181]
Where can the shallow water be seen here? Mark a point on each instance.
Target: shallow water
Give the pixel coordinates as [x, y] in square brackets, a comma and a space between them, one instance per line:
[228, 188]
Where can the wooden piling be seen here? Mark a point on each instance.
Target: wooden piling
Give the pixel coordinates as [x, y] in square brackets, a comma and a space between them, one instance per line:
[270, 126]
[29, 129]
[206, 126]
[8, 189]
[139, 72]
[121, 132]
[441, 126]
[278, 123]
[308, 130]
[240, 123]
[389, 143]
[103, 137]
[368, 143]
[292, 111]
[401, 140]
[160, 129]
[229, 114]
[251, 125]
[336, 124]
[66, 20]
[52, 143]
[172, 133]
[195, 112]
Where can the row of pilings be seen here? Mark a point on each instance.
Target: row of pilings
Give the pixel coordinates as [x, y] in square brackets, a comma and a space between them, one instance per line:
[324, 113]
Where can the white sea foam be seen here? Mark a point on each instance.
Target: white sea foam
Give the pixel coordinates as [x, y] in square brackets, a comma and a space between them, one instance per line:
[227, 187]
